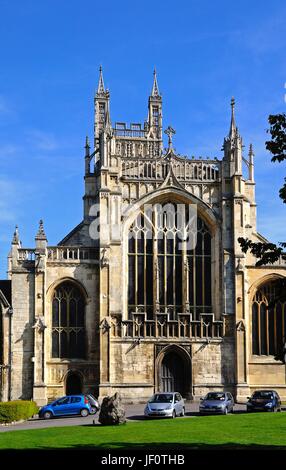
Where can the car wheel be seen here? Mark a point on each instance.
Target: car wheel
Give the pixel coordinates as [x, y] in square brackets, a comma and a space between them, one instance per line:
[225, 411]
[47, 415]
[84, 412]
[183, 412]
[174, 414]
[93, 410]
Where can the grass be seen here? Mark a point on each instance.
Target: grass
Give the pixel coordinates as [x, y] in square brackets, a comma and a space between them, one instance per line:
[232, 431]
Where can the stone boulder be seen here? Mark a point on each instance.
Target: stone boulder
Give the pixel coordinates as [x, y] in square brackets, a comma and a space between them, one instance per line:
[112, 411]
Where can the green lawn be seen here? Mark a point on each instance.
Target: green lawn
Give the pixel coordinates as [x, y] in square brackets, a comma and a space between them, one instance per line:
[240, 430]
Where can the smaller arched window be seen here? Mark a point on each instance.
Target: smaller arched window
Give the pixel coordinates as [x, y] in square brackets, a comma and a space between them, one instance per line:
[68, 322]
[268, 320]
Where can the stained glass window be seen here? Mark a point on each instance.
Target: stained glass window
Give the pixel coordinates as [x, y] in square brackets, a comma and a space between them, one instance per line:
[68, 331]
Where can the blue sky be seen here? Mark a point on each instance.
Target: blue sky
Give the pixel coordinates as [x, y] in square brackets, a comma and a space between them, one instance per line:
[204, 52]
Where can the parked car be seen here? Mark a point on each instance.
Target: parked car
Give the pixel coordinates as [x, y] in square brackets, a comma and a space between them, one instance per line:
[264, 400]
[165, 405]
[94, 405]
[65, 406]
[217, 402]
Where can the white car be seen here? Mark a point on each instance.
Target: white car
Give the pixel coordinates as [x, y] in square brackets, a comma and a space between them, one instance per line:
[168, 405]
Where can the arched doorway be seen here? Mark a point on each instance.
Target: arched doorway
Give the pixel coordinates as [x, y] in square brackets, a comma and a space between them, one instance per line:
[73, 384]
[174, 373]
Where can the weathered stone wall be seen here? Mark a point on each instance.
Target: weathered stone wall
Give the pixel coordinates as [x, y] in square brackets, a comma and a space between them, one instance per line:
[132, 369]
[56, 369]
[213, 366]
[23, 335]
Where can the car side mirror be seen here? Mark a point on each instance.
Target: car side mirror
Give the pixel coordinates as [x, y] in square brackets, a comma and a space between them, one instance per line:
[201, 399]
[248, 398]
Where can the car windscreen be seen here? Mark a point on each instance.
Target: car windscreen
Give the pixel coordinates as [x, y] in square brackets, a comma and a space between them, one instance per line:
[161, 398]
[215, 396]
[264, 395]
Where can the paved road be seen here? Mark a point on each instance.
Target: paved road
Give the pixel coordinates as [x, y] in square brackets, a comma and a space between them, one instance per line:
[133, 413]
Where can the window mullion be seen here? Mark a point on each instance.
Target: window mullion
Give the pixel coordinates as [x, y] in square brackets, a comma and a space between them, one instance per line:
[136, 271]
[267, 330]
[258, 327]
[203, 272]
[174, 272]
[275, 329]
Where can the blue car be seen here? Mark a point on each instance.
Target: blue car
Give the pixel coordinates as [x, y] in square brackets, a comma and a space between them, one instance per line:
[264, 400]
[66, 406]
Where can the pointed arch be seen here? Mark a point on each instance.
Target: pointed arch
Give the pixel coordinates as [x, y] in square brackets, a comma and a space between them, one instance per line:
[173, 368]
[268, 317]
[68, 304]
[73, 381]
[167, 272]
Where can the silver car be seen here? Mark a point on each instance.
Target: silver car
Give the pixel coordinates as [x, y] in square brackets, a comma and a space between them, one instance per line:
[168, 405]
[94, 405]
[217, 402]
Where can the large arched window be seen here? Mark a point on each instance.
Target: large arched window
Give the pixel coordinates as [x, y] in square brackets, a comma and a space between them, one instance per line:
[268, 321]
[68, 320]
[167, 273]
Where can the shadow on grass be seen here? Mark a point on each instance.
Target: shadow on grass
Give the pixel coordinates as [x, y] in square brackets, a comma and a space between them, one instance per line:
[188, 414]
[117, 447]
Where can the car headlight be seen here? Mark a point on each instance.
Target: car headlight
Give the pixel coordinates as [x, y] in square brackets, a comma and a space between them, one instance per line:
[169, 407]
[269, 405]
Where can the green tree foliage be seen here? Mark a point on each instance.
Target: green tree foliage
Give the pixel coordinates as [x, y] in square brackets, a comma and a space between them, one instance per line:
[277, 144]
[269, 253]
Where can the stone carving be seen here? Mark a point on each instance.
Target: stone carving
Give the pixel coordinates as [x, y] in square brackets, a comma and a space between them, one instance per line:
[104, 259]
[40, 262]
[39, 324]
[112, 411]
[239, 266]
[105, 324]
[170, 132]
[240, 326]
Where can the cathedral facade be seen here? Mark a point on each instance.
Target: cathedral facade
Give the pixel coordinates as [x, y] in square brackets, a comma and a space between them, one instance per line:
[151, 291]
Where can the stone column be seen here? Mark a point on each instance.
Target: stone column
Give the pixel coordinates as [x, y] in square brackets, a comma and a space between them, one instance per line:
[39, 386]
[104, 319]
[242, 387]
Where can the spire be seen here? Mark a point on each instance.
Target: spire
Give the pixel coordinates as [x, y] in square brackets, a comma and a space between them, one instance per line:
[100, 88]
[87, 156]
[16, 240]
[41, 232]
[87, 146]
[232, 146]
[250, 163]
[155, 89]
[233, 128]
[250, 153]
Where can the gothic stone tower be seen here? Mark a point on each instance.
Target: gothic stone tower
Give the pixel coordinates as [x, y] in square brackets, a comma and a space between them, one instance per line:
[124, 302]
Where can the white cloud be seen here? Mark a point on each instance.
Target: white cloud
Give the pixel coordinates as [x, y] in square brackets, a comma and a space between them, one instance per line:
[4, 108]
[42, 140]
[7, 191]
[7, 150]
